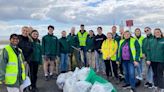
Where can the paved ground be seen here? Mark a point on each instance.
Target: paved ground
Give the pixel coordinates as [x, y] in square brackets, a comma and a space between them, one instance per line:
[50, 86]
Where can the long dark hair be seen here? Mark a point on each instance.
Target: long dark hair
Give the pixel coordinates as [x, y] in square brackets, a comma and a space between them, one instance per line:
[160, 31]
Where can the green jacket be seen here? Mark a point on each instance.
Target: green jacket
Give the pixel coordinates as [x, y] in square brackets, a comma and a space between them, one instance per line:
[64, 45]
[3, 63]
[156, 53]
[37, 52]
[137, 47]
[73, 41]
[146, 44]
[50, 45]
[90, 43]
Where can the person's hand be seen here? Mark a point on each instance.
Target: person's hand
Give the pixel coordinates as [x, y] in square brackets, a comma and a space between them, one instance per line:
[117, 62]
[100, 50]
[143, 56]
[89, 50]
[2, 82]
[135, 63]
[148, 62]
[25, 63]
[108, 58]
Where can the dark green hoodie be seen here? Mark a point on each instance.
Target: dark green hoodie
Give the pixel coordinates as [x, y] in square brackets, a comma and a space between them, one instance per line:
[73, 41]
[146, 44]
[50, 45]
[90, 43]
[64, 45]
[37, 52]
[156, 53]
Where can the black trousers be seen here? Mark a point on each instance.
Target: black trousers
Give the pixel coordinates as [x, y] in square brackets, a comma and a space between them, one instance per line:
[158, 74]
[108, 68]
[33, 73]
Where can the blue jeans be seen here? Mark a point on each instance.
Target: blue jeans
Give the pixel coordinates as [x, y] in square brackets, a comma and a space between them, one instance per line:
[149, 75]
[83, 48]
[139, 68]
[64, 62]
[100, 65]
[129, 71]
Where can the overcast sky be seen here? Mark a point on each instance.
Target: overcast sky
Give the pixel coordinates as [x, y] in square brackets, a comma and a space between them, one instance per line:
[66, 13]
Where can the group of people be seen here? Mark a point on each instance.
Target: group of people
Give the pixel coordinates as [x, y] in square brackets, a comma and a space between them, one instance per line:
[123, 56]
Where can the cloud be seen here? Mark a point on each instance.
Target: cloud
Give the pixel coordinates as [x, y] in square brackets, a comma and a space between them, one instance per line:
[91, 12]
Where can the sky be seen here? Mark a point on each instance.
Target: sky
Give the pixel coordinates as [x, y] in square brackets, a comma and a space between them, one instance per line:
[64, 14]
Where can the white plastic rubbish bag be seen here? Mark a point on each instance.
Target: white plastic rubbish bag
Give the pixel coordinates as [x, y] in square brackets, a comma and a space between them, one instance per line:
[83, 74]
[62, 78]
[83, 86]
[98, 87]
[69, 85]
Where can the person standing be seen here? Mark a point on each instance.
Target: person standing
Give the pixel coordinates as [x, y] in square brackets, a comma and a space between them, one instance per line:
[129, 53]
[64, 49]
[50, 49]
[82, 37]
[145, 50]
[74, 56]
[99, 38]
[140, 39]
[90, 49]
[12, 69]
[36, 59]
[25, 44]
[118, 38]
[109, 49]
[155, 58]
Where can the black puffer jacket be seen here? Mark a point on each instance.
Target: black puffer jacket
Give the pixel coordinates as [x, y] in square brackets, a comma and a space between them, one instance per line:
[26, 46]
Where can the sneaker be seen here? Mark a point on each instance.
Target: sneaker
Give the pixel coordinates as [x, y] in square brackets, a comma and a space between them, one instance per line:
[150, 85]
[146, 84]
[126, 86]
[132, 90]
[139, 78]
[46, 78]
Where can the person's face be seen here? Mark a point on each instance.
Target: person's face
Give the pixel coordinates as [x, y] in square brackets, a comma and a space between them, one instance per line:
[126, 35]
[63, 34]
[121, 30]
[137, 32]
[82, 27]
[114, 29]
[109, 36]
[147, 31]
[90, 33]
[50, 30]
[72, 30]
[25, 32]
[14, 41]
[99, 31]
[157, 33]
[35, 35]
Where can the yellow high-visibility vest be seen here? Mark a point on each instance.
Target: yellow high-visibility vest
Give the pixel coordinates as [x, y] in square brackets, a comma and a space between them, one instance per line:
[12, 66]
[132, 47]
[82, 38]
[140, 40]
[108, 49]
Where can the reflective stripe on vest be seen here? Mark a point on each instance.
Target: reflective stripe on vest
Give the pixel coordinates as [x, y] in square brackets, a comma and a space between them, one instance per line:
[82, 38]
[140, 40]
[12, 66]
[132, 47]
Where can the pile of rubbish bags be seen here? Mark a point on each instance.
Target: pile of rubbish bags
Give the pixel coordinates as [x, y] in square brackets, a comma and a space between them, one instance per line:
[83, 80]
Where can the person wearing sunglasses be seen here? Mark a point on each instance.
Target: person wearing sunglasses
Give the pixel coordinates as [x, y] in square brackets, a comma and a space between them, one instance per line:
[145, 50]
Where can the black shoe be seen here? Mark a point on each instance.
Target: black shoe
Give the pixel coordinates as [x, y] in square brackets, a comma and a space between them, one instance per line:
[150, 85]
[146, 84]
[132, 90]
[126, 86]
[46, 78]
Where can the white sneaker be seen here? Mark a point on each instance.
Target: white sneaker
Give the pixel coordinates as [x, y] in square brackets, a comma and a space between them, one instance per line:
[139, 78]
